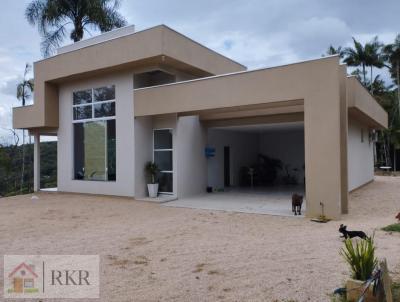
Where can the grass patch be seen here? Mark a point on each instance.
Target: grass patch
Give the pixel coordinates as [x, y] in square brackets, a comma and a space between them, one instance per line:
[392, 228]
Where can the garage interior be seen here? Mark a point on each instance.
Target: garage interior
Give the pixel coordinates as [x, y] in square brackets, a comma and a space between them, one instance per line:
[253, 169]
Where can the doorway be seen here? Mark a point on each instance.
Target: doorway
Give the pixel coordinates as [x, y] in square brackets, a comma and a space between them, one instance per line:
[227, 166]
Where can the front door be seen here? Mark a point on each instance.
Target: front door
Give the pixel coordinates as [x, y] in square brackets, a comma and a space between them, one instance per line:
[163, 152]
[18, 285]
[227, 166]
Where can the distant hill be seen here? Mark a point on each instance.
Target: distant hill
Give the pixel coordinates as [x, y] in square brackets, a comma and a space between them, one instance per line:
[11, 168]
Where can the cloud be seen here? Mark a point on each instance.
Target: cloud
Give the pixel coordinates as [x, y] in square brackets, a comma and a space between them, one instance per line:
[9, 87]
[256, 33]
[252, 50]
[311, 37]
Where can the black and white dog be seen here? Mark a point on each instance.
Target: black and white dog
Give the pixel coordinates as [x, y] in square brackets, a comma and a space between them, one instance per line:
[351, 234]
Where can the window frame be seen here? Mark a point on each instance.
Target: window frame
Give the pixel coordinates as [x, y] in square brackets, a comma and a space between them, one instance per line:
[165, 150]
[30, 281]
[92, 104]
[92, 119]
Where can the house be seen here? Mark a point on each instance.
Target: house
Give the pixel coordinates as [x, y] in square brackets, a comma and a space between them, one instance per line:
[23, 278]
[124, 98]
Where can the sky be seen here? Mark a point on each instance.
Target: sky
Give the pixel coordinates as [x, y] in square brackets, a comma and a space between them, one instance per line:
[256, 33]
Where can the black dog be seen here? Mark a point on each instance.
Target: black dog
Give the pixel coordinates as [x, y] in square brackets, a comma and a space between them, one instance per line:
[351, 234]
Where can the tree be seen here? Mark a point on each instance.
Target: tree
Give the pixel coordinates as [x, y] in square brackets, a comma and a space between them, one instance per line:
[392, 57]
[335, 51]
[368, 55]
[24, 92]
[54, 18]
[374, 57]
[379, 87]
[390, 137]
[356, 57]
[25, 87]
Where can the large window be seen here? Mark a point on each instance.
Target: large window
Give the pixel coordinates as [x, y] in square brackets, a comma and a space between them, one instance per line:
[163, 158]
[94, 134]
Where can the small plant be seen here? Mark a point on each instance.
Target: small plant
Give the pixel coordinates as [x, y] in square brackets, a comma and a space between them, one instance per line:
[152, 170]
[361, 258]
[392, 228]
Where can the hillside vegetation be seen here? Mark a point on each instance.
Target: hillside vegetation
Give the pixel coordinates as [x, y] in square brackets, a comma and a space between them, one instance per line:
[11, 172]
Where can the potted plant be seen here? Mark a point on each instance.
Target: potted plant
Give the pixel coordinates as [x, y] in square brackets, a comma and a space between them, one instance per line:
[360, 256]
[152, 170]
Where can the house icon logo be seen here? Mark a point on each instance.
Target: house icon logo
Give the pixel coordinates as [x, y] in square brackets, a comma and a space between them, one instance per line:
[23, 279]
[51, 276]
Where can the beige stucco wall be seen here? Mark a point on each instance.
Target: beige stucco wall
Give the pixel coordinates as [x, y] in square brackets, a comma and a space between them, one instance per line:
[316, 82]
[159, 44]
[143, 133]
[316, 91]
[125, 147]
[191, 160]
[363, 104]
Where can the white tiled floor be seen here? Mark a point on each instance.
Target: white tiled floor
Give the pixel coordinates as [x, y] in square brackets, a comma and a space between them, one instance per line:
[272, 201]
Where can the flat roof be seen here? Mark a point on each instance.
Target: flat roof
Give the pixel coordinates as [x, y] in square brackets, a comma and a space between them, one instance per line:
[103, 37]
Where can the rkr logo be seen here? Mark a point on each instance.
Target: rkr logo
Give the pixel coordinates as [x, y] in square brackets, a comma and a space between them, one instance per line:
[72, 277]
[55, 276]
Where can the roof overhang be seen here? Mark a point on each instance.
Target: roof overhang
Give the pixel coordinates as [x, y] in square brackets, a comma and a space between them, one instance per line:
[363, 106]
[154, 46]
[270, 91]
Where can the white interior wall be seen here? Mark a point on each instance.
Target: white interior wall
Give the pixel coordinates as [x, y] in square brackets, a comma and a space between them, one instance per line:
[243, 152]
[288, 146]
[360, 155]
[124, 184]
[192, 162]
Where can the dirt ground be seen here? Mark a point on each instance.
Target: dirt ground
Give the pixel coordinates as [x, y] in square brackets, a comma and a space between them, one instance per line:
[155, 253]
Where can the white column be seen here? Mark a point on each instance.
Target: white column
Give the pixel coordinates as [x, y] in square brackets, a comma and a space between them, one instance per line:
[36, 162]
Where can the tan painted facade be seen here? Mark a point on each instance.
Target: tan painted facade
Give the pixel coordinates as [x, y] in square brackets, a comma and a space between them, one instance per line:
[154, 46]
[317, 92]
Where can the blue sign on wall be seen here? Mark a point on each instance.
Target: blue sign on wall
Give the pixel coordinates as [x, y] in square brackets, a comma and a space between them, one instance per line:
[209, 152]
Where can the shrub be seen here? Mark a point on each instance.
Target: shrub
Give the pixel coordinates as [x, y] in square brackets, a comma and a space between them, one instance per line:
[392, 228]
[361, 258]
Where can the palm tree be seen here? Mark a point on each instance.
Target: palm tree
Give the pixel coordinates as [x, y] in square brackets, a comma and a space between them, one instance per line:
[24, 92]
[392, 57]
[356, 56]
[379, 87]
[55, 17]
[335, 51]
[374, 57]
[390, 137]
[368, 55]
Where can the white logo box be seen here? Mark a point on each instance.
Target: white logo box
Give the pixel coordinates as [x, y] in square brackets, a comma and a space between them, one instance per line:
[51, 276]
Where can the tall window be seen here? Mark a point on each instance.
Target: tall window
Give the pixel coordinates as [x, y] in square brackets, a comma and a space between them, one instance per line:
[94, 134]
[163, 158]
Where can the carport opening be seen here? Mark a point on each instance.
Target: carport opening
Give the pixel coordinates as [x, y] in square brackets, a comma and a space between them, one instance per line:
[265, 161]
